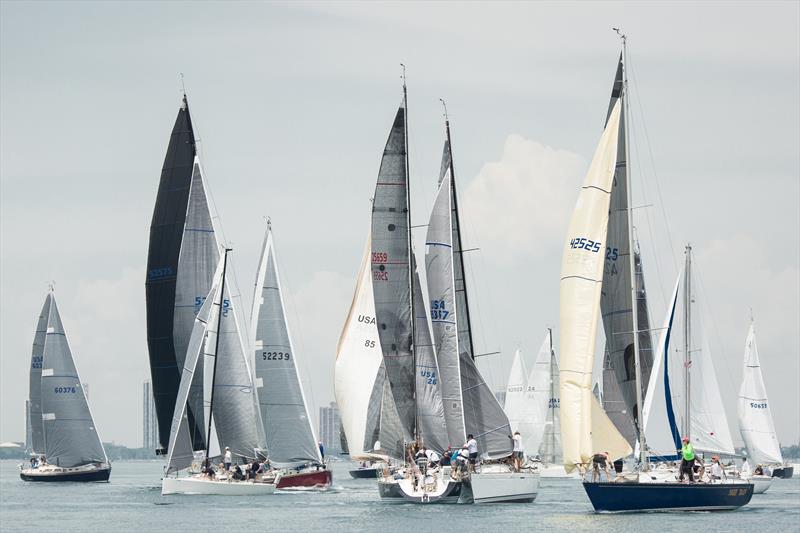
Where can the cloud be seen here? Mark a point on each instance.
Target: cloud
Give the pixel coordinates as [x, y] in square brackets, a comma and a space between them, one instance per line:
[519, 206]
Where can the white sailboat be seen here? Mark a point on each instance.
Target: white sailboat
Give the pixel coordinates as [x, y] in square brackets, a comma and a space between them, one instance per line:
[63, 428]
[470, 407]
[230, 413]
[755, 416]
[290, 437]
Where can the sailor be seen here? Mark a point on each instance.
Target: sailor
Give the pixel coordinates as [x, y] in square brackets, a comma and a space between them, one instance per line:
[34, 463]
[717, 472]
[600, 460]
[687, 459]
[518, 454]
[445, 460]
[462, 459]
[472, 447]
[745, 472]
[433, 458]
[759, 470]
[237, 472]
[228, 458]
[254, 469]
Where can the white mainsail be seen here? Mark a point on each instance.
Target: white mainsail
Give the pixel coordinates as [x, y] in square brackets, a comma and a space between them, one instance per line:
[290, 436]
[710, 430]
[518, 405]
[585, 428]
[359, 360]
[755, 416]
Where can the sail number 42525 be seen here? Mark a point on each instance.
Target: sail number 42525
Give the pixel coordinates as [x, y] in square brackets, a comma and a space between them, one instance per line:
[583, 243]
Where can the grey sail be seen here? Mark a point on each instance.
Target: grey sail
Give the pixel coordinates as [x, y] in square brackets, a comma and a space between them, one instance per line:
[615, 301]
[290, 437]
[384, 434]
[430, 411]
[550, 448]
[391, 273]
[197, 262]
[235, 411]
[613, 403]
[473, 409]
[179, 452]
[35, 385]
[70, 437]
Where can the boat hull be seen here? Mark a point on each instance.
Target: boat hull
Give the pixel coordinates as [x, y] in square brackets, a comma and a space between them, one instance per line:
[314, 479]
[785, 472]
[200, 485]
[390, 490]
[632, 497]
[760, 483]
[445, 491]
[364, 473]
[496, 487]
[96, 475]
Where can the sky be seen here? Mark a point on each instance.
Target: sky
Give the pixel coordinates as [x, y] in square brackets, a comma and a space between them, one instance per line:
[292, 104]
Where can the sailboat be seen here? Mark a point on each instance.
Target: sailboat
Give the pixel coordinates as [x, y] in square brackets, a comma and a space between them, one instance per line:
[409, 356]
[591, 252]
[63, 430]
[755, 417]
[470, 407]
[532, 406]
[290, 438]
[368, 414]
[229, 400]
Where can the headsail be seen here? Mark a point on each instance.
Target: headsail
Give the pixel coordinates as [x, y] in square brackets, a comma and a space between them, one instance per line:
[70, 436]
[585, 429]
[615, 302]
[518, 403]
[359, 361]
[289, 434]
[35, 382]
[755, 417]
[543, 388]
[166, 235]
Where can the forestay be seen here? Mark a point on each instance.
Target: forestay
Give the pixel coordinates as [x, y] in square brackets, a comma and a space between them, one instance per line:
[289, 435]
[35, 381]
[585, 429]
[755, 416]
[70, 437]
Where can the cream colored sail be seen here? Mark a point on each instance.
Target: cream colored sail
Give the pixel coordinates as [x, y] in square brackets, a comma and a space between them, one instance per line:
[585, 428]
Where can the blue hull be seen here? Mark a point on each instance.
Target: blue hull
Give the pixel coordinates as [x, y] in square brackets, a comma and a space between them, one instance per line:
[629, 497]
[93, 476]
[784, 472]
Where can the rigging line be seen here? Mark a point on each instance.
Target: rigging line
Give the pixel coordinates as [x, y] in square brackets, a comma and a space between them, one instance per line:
[653, 165]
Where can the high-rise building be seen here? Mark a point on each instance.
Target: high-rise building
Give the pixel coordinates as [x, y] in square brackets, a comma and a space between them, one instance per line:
[329, 429]
[28, 427]
[149, 421]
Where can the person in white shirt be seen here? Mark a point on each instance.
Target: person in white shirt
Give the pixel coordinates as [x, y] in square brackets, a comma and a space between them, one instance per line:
[433, 458]
[717, 472]
[518, 454]
[472, 447]
[745, 472]
[228, 458]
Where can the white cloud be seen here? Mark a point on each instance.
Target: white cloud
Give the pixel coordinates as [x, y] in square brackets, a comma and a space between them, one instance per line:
[519, 206]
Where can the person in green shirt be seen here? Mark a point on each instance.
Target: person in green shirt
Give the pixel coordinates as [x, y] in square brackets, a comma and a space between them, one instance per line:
[687, 459]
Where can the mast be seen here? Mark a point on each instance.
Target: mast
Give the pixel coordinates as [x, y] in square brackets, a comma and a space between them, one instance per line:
[552, 400]
[632, 261]
[411, 264]
[458, 231]
[216, 350]
[687, 341]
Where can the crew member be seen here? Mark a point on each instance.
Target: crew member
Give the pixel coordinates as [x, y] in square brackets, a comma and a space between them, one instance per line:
[687, 459]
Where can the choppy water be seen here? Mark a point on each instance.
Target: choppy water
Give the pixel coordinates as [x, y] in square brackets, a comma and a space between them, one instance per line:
[133, 502]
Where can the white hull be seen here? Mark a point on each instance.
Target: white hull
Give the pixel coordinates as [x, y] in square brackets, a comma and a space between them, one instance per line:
[203, 485]
[501, 486]
[557, 471]
[760, 483]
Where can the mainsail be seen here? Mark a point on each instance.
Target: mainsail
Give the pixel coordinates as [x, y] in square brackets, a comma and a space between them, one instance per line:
[166, 237]
[755, 417]
[585, 428]
[543, 388]
[70, 437]
[35, 382]
[469, 404]
[615, 302]
[519, 406]
[289, 435]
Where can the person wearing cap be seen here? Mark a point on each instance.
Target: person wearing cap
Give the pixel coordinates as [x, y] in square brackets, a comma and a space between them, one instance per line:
[687, 459]
[228, 458]
[717, 472]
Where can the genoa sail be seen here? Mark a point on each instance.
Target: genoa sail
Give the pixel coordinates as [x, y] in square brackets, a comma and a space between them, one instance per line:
[70, 436]
[35, 382]
[518, 405]
[585, 428]
[755, 416]
[290, 437]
